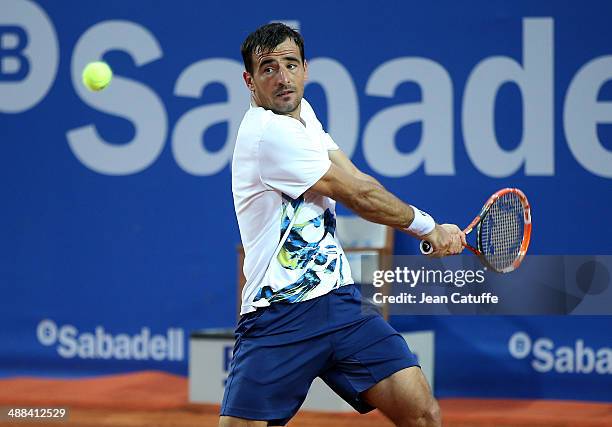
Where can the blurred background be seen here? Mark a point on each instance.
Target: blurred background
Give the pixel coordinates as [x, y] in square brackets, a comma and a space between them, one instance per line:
[117, 224]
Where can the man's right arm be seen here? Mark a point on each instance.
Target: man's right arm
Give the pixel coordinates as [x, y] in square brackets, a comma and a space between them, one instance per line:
[370, 200]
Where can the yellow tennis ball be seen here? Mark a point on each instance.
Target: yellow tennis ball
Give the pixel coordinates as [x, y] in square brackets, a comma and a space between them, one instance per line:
[97, 75]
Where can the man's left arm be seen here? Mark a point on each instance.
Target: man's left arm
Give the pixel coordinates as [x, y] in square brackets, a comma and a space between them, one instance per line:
[340, 159]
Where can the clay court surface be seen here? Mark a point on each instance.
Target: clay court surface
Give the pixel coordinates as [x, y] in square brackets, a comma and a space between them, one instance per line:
[161, 399]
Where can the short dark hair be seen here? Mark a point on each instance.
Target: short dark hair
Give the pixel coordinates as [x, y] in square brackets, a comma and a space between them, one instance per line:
[265, 39]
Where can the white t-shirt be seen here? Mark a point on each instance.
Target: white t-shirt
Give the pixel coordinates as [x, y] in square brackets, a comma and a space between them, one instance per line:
[276, 160]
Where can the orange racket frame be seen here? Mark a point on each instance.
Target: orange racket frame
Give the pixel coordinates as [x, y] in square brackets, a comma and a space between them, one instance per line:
[426, 247]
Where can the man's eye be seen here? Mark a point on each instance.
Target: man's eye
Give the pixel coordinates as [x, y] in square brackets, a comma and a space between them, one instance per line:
[268, 70]
[291, 66]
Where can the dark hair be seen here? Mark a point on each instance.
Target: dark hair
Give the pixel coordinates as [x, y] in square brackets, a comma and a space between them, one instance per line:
[265, 39]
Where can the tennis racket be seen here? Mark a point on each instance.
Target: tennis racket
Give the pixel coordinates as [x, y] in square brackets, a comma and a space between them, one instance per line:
[503, 231]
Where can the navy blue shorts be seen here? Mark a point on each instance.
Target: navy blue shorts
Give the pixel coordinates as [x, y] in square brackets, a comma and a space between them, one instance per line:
[281, 349]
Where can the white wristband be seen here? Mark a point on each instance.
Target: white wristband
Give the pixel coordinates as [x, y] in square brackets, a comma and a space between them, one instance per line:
[422, 223]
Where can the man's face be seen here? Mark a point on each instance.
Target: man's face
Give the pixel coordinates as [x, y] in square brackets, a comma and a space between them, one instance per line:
[277, 82]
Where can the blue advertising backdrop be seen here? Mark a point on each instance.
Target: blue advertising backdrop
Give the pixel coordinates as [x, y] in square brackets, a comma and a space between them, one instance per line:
[117, 224]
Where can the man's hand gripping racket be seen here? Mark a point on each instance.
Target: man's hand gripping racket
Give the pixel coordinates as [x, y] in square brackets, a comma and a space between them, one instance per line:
[503, 231]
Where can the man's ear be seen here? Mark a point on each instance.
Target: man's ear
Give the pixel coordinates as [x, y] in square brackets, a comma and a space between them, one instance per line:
[305, 70]
[248, 79]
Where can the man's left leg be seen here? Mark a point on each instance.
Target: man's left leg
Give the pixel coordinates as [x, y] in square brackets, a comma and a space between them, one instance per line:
[405, 398]
[373, 366]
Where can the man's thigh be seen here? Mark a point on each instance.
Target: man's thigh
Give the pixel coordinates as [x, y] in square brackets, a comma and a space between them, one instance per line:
[240, 422]
[270, 382]
[405, 397]
[362, 370]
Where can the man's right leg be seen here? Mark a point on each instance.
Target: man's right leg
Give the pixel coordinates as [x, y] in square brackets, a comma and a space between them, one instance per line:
[274, 363]
[267, 383]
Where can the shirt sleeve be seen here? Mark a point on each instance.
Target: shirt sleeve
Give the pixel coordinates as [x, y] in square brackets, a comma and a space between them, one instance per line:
[290, 161]
[329, 143]
[310, 117]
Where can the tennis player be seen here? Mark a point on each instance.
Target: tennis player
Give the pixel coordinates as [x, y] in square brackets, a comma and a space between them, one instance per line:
[301, 314]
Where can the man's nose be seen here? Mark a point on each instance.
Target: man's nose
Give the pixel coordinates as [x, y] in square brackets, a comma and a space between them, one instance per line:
[283, 76]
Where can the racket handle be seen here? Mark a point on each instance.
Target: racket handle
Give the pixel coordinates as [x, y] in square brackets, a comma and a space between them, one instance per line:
[426, 247]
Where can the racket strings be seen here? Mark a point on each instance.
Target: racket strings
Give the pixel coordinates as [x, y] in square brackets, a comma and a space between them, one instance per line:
[501, 231]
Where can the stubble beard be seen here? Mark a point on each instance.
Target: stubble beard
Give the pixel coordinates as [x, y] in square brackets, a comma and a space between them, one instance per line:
[287, 108]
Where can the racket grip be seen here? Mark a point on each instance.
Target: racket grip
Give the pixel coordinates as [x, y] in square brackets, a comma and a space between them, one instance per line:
[426, 247]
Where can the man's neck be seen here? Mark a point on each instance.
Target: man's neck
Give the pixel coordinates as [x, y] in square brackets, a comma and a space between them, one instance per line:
[295, 114]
